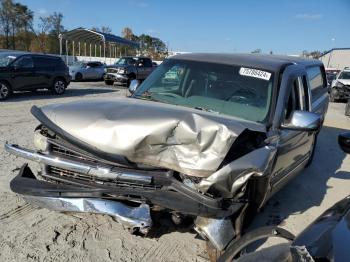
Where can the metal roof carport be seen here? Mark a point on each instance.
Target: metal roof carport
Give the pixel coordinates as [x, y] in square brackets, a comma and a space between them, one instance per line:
[91, 37]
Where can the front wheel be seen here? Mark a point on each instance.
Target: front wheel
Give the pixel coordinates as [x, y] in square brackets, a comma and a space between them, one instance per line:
[109, 82]
[5, 90]
[59, 87]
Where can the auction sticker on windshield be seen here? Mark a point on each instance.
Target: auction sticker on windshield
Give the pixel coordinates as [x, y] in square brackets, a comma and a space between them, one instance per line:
[254, 73]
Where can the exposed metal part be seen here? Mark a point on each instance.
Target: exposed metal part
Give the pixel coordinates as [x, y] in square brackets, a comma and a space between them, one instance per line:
[40, 141]
[102, 172]
[218, 231]
[229, 179]
[131, 217]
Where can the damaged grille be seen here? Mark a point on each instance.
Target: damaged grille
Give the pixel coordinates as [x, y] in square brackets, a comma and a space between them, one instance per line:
[112, 70]
[64, 173]
[62, 151]
[57, 173]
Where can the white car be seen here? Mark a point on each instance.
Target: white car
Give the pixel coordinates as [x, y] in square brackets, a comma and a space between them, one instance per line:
[341, 86]
[86, 70]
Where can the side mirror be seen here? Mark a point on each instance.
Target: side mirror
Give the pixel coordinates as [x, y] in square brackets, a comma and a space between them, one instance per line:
[344, 142]
[303, 121]
[133, 86]
[140, 65]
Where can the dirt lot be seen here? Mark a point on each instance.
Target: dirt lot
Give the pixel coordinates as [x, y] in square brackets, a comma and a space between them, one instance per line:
[31, 234]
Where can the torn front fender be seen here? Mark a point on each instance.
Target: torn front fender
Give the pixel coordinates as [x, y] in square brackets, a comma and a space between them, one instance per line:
[232, 177]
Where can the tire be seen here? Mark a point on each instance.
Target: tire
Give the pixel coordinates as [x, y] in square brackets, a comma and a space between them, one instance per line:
[5, 90]
[59, 86]
[332, 95]
[109, 82]
[78, 77]
[309, 162]
[347, 108]
[237, 246]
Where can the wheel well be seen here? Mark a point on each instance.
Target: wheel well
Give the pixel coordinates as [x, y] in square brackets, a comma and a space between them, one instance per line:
[59, 78]
[7, 82]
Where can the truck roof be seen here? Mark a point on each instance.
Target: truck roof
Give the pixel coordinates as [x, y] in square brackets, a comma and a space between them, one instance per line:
[268, 62]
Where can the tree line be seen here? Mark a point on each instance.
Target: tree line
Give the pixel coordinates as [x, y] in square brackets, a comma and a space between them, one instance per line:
[18, 32]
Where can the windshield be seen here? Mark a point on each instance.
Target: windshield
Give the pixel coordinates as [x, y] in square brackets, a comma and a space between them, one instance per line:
[223, 89]
[7, 58]
[125, 61]
[344, 75]
[78, 64]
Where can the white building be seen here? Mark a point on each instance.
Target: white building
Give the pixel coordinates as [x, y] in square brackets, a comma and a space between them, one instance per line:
[336, 58]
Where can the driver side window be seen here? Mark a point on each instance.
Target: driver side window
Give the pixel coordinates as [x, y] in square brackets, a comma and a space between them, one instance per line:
[296, 99]
[24, 62]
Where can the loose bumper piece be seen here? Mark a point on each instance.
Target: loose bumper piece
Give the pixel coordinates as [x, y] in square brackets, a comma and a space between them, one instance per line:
[218, 231]
[71, 198]
[131, 217]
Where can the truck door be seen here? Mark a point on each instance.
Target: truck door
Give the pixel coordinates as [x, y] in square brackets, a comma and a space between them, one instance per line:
[294, 147]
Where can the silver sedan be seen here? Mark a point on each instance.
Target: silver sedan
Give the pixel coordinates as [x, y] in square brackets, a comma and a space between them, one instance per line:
[86, 70]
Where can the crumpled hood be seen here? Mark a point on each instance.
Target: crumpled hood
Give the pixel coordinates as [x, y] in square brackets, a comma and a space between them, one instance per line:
[186, 140]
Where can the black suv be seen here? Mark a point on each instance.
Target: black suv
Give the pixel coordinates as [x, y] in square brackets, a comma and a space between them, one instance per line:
[21, 71]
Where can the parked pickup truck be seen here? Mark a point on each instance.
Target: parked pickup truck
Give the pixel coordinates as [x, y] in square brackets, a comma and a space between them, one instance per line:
[128, 68]
[207, 138]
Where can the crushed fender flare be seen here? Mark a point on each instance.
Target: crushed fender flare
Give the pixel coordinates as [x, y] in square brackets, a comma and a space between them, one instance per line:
[239, 244]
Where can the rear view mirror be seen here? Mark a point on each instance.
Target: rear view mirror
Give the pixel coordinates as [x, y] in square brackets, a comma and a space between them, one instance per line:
[303, 121]
[133, 86]
[344, 142]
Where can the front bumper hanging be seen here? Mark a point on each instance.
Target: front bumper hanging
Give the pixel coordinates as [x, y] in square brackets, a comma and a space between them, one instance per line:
[60, 197]
[157, 188]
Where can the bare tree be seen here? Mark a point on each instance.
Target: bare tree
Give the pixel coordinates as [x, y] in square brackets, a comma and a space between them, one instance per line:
[48, 31]
[127, 33]
[103, 29]
[5, 19]
[14, 19]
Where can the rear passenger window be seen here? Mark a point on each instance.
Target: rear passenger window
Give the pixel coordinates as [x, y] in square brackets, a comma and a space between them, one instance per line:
[24, 62]
[316, 81]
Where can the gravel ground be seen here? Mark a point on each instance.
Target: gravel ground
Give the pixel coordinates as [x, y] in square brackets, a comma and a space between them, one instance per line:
[32, 234]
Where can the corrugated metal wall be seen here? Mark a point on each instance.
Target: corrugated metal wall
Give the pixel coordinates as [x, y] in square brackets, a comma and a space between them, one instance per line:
[337, 58]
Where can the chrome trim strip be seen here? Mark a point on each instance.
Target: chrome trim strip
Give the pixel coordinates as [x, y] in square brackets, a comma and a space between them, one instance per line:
[131, 217]
[103, 172]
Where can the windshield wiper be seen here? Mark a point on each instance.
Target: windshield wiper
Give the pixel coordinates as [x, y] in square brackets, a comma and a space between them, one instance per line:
[206, 109]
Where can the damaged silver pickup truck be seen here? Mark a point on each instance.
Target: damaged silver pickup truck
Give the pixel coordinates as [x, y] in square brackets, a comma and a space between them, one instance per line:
[207, 137]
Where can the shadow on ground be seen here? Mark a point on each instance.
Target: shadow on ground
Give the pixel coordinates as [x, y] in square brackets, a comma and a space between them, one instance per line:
[70, 92]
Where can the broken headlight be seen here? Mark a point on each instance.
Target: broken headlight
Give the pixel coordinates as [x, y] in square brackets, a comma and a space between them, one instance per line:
[40, 141]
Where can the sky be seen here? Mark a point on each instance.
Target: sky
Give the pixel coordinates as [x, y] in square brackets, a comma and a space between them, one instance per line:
[283, 27]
